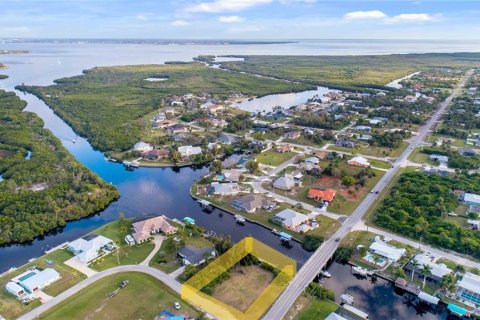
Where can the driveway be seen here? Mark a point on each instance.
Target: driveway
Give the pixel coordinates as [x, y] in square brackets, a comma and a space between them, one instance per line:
[157, 240]
[76, 264]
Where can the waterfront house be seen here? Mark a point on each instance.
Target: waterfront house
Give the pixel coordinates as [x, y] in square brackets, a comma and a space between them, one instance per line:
[37, 280]
[142, 147]
[223, 189]
[387, 251]
[193, 256]
[284, 183]
[471, 199]
[290, 219]
[156, 154]
[91, 247]
[187, 151]
[227, 139]
[252, 203]
[232, 175]
[143, 230]
[437, 270]
[359, 162]
[327, 195]
[468, 288]
[345, 143]
[242, 163]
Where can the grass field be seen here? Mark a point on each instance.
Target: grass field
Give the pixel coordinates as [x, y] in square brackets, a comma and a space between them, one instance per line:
[316, 309]
[244, 286]
[11, 308]
[349, 70]
[126, 254]
[143, 298]
[373, 151]
[274, 158]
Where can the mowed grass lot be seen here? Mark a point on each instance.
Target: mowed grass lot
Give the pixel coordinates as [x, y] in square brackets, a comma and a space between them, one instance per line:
[11, 308]
[315, 309]
[143, 298]
[244, 286]
[274, 158]
[126, 254]
[373, 151]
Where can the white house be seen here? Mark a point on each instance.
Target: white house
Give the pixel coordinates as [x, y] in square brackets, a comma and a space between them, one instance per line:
[284, 183]
[471, 199]
[89, 248]
[40, 280]
[223, 189]
[186, 151]
[142, 146]
[469, 288]
[15, 289]
[387, 251]
[290, 219]
[359, 162]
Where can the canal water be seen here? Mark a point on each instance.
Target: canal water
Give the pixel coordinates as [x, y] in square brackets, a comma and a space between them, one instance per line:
[148, 191]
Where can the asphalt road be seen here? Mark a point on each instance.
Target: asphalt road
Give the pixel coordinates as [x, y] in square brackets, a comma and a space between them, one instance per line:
[320, 258]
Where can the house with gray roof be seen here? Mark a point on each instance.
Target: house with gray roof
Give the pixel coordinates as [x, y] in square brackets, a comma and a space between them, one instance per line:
[193, 256]
[252, 203]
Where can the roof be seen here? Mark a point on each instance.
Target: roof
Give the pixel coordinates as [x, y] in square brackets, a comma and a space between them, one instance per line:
[88, 249]
[387, 251]
[313, 160]
[325, 195]
[470, 282]
[189, 150]
[225, 188]
[142, 145]
[334, 316]
[249, 202]
[360, 160]
[40, 279]
[470, 197]
[291, 218]
[284, 183]
[428, 298]
[143, 229]
[437, 270]
[193, 254]
[13, 287]
[439, 158]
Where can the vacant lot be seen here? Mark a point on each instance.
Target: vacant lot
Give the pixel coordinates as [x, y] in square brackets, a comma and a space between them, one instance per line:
[11, 308]
[244, 286]
[274, 158]
[373, 151]
[143, 298]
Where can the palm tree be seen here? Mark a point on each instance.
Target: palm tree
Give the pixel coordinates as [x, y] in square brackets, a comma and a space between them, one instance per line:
[426, 270]
[414, 264]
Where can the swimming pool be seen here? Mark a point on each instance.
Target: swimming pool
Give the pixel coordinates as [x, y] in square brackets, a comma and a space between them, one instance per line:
[380, 262]
[25, 277]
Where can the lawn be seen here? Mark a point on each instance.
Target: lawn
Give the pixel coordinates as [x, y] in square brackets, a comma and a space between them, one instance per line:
[373, 151]
[11, 308]
[244, 286]
[316, 309]
[274, 158]
[380, 164]
[143, 298]
[126, 254]
[418, 157]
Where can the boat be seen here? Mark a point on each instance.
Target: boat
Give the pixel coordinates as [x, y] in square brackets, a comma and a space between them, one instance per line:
[325, 273]
[189, 220]
[361, 271]
[74, 141]
[347, 299]
[240, 219]
[274, 231]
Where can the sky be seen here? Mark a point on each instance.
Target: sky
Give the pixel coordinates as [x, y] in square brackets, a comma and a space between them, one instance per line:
[241, 19]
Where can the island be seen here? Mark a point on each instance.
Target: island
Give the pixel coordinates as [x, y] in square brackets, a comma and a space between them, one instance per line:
[41, 185]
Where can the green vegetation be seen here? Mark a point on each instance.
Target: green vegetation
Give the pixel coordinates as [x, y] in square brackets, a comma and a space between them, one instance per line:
[43, 191]
[316, 309]
[107, 104]
[274, 158]
[417, 207]
[143, 298]
[349, 71]
[11, 308]
[455, 159]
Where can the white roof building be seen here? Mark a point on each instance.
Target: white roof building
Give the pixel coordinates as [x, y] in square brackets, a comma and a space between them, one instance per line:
[15, 289]
[359, 161]
[471, 199]
[284, 183]
[142, 146]
[469, 287]
[40, 280]
[186, 151]
[289, 218]
[387, 251]
[437, 270]
[225, 189]
[89, 248]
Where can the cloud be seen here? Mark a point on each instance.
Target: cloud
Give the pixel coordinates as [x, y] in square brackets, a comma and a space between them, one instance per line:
[412, 17]
[362, 15]
[180, 23]
[248, 29]
[20, 31]
[230, 19]
[381, 16]
[226, 5]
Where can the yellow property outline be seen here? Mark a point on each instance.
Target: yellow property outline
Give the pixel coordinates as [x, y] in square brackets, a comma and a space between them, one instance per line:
[191, 288]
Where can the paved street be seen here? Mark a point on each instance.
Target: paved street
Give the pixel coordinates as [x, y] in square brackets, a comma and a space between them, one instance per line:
[320, 258]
